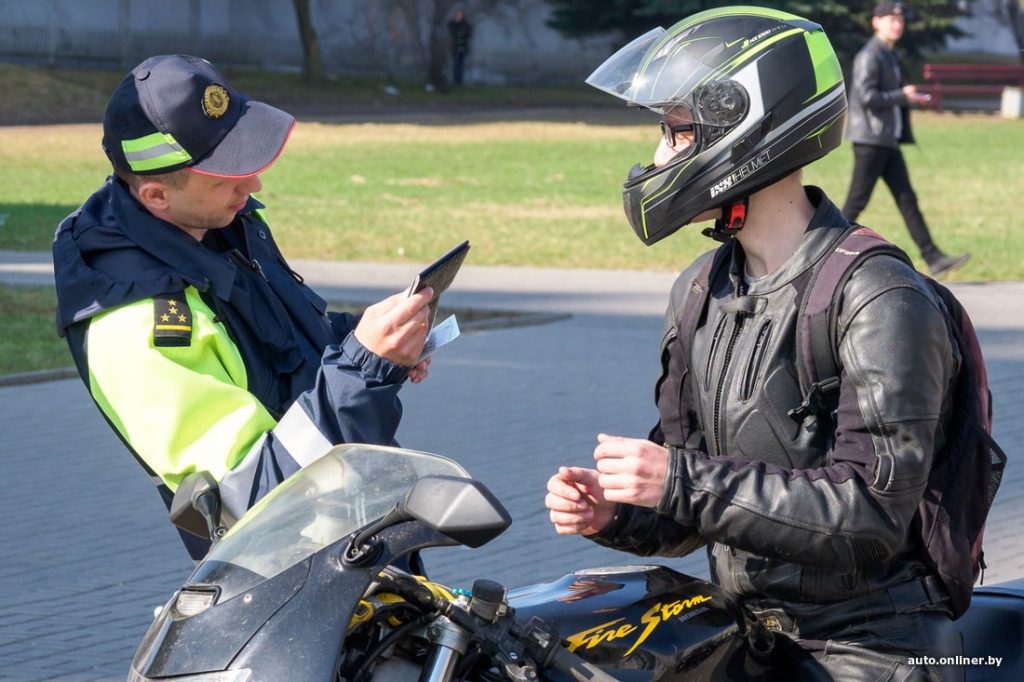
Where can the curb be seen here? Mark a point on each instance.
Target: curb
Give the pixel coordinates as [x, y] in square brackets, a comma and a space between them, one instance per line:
[478, 320]
[38, 376]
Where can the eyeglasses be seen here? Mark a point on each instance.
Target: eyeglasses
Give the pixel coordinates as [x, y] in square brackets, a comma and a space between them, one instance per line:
[671, 132]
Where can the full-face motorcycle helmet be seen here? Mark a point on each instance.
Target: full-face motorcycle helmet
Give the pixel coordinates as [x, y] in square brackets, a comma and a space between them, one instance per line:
[761, 90]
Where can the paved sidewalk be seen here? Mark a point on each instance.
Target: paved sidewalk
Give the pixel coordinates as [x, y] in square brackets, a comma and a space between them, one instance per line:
[89, 552]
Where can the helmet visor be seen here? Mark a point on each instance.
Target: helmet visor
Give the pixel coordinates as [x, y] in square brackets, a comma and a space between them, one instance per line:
[676, 83]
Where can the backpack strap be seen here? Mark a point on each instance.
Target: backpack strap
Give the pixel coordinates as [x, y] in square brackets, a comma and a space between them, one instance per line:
[817, 346]
[687, 306]
[696, 303]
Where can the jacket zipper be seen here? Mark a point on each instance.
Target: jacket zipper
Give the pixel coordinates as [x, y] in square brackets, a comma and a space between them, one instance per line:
[721, 383]
[756, 356]
[741, 290]
[715, 340]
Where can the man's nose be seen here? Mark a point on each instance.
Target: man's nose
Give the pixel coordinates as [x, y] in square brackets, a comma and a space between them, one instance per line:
[663, 154]
[251, 185]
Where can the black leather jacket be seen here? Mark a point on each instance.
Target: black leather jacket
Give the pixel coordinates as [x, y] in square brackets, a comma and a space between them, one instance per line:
[797, 517]
[878, 113]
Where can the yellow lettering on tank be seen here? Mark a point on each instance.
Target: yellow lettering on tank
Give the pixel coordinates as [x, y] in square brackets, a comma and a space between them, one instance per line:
[598, 634]
[660, 612]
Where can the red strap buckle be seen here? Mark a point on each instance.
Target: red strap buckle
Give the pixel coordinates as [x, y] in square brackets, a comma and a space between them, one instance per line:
[737, 215]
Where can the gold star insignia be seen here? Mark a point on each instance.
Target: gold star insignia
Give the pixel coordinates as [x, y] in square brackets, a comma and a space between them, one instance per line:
[172, 321]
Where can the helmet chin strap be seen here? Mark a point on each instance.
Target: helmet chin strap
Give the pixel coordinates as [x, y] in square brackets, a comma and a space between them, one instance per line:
[734, 217]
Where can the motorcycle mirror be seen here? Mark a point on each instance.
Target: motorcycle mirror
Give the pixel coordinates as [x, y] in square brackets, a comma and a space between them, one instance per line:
[461, 508]
[195, 507]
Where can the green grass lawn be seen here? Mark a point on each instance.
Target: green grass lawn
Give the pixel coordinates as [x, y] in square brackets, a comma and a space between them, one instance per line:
[525, 192]
[28, 335]
[544, 193]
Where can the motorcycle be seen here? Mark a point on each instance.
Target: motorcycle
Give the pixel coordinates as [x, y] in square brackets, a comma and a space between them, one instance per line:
[316, 582]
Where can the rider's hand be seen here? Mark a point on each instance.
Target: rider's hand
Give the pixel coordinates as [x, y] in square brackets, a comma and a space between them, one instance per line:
[396, 328]
[577, 502]
[632, 470]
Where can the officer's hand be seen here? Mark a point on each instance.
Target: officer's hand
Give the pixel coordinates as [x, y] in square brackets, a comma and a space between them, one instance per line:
[419, 372]
[632, 470]
[396, 328]
[577, 502]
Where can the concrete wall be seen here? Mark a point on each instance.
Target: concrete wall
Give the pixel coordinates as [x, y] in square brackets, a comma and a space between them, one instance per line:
[365, 38]
[989, 33]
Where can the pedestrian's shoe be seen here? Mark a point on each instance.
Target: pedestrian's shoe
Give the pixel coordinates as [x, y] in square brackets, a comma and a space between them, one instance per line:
[943, 265]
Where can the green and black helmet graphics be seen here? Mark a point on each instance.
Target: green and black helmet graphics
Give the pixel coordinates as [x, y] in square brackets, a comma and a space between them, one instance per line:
[761, 90]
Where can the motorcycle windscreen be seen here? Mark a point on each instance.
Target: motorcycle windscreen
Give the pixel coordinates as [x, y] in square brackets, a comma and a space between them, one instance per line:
[317, 506]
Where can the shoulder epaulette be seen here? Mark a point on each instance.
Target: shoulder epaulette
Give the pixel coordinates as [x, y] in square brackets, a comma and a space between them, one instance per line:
[172, 320]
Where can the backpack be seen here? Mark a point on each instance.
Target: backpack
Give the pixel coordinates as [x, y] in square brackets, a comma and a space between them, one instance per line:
[966, 472]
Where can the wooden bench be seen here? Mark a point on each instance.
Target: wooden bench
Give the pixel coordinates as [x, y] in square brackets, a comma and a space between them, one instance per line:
[974, 81]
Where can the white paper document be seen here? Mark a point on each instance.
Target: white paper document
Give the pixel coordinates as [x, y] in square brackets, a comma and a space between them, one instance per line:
[441, 335]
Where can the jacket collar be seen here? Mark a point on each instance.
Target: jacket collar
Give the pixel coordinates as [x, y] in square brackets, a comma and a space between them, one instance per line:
[825, 226]
[198, 264]
[112, 252]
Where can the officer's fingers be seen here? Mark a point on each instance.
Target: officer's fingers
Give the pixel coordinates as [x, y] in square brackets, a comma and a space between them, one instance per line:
[419, 372]
[406, 307]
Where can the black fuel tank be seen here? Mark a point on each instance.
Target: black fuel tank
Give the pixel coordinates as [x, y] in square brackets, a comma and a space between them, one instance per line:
[643, 623]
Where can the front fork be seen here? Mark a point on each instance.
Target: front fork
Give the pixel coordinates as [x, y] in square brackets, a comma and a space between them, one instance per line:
[450, 643]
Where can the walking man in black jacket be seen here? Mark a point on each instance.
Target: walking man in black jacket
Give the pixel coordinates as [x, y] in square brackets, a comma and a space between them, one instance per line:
[879, 122]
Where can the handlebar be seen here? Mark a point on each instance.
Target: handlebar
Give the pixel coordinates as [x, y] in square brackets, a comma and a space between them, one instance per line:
[537, 639]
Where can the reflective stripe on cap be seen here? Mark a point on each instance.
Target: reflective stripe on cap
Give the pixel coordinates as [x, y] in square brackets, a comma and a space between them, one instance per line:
[154, 151]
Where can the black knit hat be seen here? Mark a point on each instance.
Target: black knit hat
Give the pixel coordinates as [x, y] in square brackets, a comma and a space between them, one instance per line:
[884, 9]
[176, 111]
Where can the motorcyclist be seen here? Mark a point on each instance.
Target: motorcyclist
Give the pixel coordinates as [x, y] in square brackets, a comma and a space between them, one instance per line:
[809, 524]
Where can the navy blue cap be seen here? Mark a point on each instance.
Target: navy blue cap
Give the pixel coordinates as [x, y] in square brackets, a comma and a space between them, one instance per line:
[176, 111]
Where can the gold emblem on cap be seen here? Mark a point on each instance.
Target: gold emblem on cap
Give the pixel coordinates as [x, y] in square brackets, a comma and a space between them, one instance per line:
[215, 100]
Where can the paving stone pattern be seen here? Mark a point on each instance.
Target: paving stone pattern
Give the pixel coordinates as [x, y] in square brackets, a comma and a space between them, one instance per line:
[88, 552]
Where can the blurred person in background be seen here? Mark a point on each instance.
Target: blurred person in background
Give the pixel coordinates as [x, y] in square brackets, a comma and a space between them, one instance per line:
[461, 31]
[879, 122]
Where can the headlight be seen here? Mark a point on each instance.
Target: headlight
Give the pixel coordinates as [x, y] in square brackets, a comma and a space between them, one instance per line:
[240, 675]
[191, 602]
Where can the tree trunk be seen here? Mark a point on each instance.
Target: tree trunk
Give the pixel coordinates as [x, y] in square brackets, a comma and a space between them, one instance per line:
[1014, 14]
[312, 57]
[438, 47]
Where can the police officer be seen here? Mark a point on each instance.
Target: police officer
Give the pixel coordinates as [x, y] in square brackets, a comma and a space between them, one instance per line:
[808, 526]
[202, 348]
